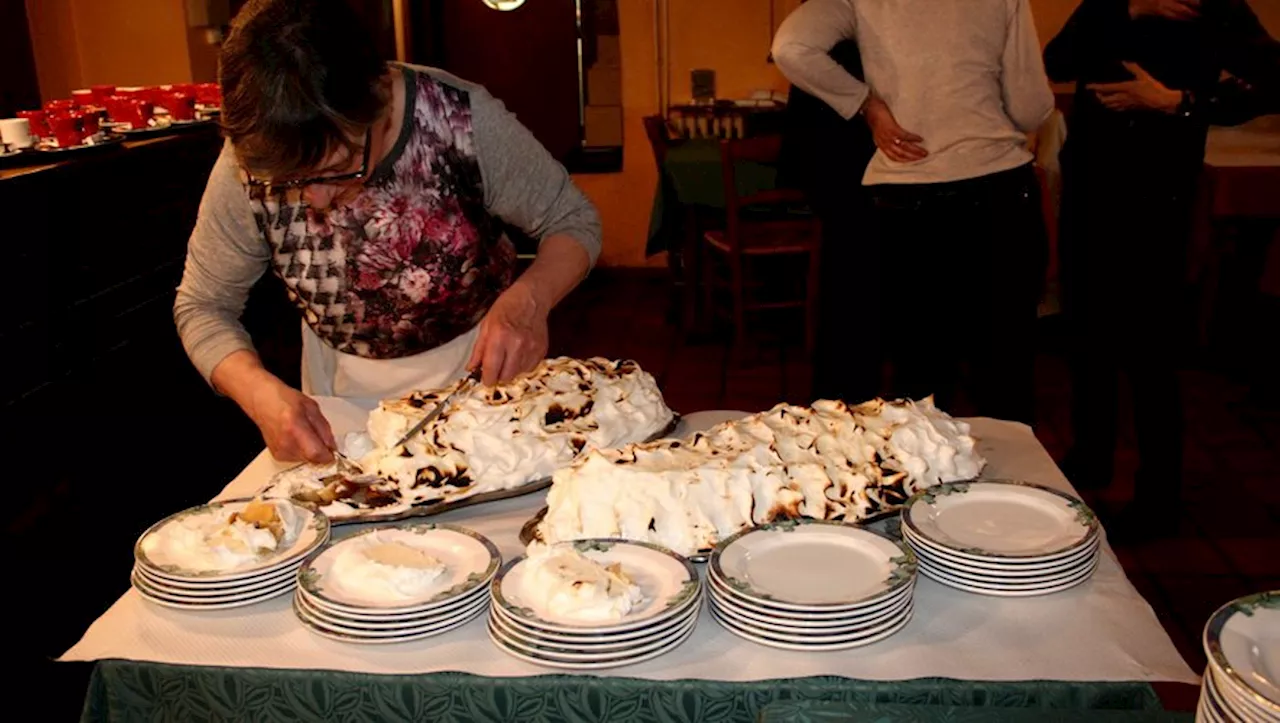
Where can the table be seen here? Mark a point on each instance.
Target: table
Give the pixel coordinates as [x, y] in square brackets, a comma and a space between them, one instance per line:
[1096, 647]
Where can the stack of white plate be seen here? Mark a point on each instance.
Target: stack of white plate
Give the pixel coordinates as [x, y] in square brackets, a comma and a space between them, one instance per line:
[522, 626]
[811, 585]
[165, 571]
[343, 595]
[1242, 642]
[1002, 538]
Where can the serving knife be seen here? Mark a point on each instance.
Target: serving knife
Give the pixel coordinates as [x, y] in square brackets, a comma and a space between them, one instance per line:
[465, 386]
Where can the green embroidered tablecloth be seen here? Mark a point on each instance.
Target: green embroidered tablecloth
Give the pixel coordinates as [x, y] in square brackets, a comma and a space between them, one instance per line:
[122, 690]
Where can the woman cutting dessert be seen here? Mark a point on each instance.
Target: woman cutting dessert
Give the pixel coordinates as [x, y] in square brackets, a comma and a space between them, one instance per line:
[377, 193]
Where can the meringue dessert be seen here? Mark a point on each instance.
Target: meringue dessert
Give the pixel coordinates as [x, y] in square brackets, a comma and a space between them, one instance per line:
[224, 541]
[830, 461]
[386, 570]
[568, 584]
[489, 439]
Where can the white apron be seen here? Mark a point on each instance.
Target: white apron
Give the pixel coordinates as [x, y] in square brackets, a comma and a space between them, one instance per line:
[327, 372]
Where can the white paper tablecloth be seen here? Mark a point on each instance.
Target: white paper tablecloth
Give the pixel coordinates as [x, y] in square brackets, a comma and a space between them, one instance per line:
[1100, 631]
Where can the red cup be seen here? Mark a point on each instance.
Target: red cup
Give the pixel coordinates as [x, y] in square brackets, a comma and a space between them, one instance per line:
[38, 121]
[181, 106]
[136, 113]
[67, 129]
[209, 94]
[188, 88]
[60, 104]
[91, 121]
[83, 97]
[101, 93]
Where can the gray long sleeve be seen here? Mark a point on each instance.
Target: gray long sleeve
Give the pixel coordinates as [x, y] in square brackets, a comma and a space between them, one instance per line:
[226, 254]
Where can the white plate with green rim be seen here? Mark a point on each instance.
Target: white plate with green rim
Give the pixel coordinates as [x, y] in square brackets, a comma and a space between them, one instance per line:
[518, 654]
[205, 606]
[992, 591]
[433, 617]
[789, 565]
[925, 551]
[341, 637]
[748, 616]
[1000, 519]
[1242, 640]
[359, 618]
[1086, 568]
[469, 560]
[149, 590]
[1233, 701]
[1208, 709]
[256, 585]
[543, 651]
[807, 647]
[924, 547]
[580, 640]
[626, 641]
[817, 618]
[815, 636]
[318, 620]
[666, 580]
[160, 549]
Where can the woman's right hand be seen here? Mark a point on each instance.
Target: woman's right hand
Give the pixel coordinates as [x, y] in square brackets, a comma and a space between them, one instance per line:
[892, 139]
[292, 424]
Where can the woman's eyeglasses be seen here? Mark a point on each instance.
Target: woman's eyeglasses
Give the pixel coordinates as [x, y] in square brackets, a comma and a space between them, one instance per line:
[292, 183]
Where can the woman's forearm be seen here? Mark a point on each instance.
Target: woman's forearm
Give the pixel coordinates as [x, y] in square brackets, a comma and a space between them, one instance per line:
[562, 263]
[239, 376]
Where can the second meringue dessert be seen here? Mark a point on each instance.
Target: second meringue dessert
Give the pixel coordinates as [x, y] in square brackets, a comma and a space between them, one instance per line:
[568, 584]
[384, 570]
[224, 541]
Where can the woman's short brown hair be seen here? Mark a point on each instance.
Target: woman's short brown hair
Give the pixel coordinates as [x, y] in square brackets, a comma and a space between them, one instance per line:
[300, 78]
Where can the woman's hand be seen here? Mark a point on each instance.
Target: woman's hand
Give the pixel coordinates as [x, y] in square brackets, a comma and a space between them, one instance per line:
[1142, 93]
[513, 336]
[1171, 9]
[291, 422]
[896, 142]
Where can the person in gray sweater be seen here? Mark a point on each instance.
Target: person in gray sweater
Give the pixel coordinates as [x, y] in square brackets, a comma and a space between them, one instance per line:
[952, 89]
[377, 193]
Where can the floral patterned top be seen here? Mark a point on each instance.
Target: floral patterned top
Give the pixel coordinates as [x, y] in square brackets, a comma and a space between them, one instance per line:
[413, 261]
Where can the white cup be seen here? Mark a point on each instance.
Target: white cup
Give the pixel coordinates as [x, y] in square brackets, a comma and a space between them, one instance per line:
[16, 133]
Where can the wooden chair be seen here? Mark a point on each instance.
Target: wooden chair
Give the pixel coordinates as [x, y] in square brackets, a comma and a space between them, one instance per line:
[775, 223]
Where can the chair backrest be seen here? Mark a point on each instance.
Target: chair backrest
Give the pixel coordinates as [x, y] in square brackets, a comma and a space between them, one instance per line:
[655, 128]
[765, 150]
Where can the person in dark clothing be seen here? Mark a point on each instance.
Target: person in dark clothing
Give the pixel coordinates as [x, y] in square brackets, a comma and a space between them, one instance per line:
[1149, 83]
[825, 155]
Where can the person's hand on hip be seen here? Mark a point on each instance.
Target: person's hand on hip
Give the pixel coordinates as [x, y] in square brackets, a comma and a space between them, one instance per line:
[1171, 9]
[892, 139]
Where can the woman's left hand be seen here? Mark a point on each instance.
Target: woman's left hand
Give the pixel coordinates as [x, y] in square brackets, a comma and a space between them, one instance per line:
[1142, 93]
[513, 336]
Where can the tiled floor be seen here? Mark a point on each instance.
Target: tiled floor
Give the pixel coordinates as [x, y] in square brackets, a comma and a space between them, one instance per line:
[1229, 541]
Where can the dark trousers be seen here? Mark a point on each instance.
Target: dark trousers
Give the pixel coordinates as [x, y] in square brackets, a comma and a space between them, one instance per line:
[964, 269]
[1125, 235]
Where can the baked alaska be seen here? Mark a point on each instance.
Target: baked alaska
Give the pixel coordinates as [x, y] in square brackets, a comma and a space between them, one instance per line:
[489, 439]
[830, 461]
[568, 584]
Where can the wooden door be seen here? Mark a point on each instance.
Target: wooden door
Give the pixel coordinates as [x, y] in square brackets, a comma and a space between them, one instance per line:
[19, 89]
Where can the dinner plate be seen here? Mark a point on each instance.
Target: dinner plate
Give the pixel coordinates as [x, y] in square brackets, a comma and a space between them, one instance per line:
[1000, 519]
[841, 627]
[567, 655]
[1233, 702]
[993, 591]
[436, 615]
[402, 638]
[959, 569]
[461, 601]
[789, 565]
[151, 591]
[1242, 642]
[816, 636]
[1228, 709]
[470, 561]
[446, 622]
[591, 639]
[818, 618]
[600, 665]
[622, 642]
[197, 592]
[268, 594]
[925, 549]
[1007, 584]
[312, 532]
[667, 581]
[806, 647]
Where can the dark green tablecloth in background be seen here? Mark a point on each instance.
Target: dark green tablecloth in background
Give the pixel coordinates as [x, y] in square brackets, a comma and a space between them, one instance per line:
[874, 712]
[691, 176]
[133, 691]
